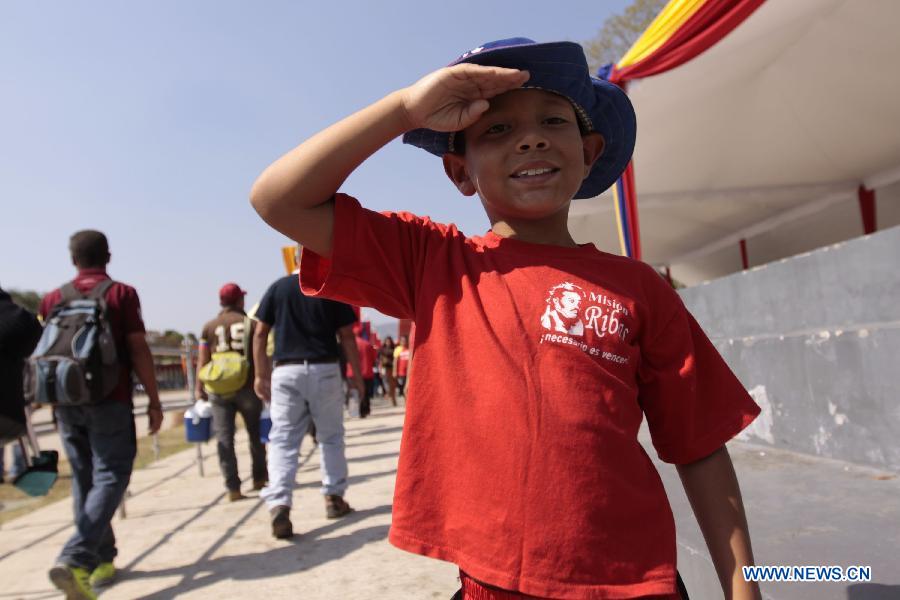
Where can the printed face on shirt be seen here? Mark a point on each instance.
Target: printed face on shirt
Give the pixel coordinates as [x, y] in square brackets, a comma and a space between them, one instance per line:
[525, 157]
[563, 312]
[568, 304]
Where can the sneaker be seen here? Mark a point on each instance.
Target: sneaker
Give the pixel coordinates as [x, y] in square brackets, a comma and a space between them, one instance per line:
[259, 484]
[104, 574]
[336, 507]
[282, 528]
[73, 581]
[235, 495]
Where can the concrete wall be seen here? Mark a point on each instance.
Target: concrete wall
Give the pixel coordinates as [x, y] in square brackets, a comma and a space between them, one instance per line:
[815, 338]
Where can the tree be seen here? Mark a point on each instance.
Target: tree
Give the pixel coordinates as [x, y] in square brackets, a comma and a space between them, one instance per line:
[619, 32]
[28, 299]
[172, 337]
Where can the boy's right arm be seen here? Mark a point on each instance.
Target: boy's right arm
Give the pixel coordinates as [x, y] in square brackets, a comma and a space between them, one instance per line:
[294, 194]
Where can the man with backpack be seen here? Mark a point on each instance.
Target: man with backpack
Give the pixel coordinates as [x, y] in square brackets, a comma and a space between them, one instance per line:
[225, 376]
[93, 338]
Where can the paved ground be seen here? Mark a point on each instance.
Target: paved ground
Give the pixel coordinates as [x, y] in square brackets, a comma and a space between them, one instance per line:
[181, 538]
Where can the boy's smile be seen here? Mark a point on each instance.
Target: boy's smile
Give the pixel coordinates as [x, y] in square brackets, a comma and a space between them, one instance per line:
[525, 156]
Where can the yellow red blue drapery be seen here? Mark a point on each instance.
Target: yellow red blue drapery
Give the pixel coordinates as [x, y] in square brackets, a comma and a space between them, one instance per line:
[681, 31]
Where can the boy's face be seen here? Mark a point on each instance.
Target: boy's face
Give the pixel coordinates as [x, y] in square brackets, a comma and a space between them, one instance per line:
[525, 156]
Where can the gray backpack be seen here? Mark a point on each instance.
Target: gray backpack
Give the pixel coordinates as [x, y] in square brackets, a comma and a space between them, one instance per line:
[75, 361]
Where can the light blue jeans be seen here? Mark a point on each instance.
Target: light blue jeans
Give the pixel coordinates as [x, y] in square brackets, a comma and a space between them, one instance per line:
[299, 393]
[18, 458]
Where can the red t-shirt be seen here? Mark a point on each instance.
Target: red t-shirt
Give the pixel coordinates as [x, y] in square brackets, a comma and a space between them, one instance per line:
[124, 317]
[535, 365]
[366, 359]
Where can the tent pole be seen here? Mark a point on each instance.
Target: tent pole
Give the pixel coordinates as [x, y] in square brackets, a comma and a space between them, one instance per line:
[745, 262]
[867, 209]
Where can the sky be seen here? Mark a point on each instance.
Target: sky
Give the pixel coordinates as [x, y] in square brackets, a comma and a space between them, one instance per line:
[150, 121]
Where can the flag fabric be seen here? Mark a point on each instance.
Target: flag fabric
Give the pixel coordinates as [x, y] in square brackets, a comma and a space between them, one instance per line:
[681, 31]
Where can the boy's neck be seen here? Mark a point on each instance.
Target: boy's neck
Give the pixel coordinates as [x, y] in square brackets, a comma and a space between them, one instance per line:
[551, 231]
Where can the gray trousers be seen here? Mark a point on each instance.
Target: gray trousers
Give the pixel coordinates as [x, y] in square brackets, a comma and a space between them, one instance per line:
[301, 393]
[223, 413]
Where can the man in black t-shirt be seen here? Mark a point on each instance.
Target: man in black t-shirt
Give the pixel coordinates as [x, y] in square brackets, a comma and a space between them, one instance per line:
[304, 384]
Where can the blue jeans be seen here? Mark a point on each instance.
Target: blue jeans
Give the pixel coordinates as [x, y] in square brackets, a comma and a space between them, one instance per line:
[100, 443]
[301, 393]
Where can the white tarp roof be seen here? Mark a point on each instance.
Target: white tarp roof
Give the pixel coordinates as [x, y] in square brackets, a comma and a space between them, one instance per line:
[765, 136]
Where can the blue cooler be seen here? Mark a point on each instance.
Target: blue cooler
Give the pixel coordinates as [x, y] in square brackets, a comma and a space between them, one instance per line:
[265, 426]
[197, 429]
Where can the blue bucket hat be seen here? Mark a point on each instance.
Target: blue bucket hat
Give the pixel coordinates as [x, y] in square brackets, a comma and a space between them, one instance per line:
[561, 68]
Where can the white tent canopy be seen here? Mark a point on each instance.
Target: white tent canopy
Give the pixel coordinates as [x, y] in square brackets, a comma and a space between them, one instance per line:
[765, 137]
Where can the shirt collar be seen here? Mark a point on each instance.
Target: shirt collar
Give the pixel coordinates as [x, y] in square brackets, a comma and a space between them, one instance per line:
[92, 271]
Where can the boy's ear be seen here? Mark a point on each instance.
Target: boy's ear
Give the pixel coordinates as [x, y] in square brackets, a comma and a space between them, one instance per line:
[455, 168]
[593, 145]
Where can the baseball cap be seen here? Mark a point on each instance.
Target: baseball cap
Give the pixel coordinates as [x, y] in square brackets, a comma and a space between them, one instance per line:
[231, 293]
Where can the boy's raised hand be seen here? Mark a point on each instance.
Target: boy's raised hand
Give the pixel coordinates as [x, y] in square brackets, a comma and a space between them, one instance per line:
[452, 98]
[294, 193]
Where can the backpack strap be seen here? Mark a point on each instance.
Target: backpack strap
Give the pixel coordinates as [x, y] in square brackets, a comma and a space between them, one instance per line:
[69, 292]
[99, 290]
[248, 338]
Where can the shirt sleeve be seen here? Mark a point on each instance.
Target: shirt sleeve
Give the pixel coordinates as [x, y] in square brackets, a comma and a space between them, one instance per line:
[377, 259]
[265, 312]
[343, 315]
[49, 300]
[130, 307]
[692, 400]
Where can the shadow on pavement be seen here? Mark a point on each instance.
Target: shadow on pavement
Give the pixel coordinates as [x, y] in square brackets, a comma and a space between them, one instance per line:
[360, 444]
[178, 528]
[305, 551]
[369, 457]
[352, 480]
[374, 430]
[35, 541]
[162, 480]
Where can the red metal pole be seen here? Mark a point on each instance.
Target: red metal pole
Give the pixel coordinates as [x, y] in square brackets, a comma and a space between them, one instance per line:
[745, 262]
[867, 209]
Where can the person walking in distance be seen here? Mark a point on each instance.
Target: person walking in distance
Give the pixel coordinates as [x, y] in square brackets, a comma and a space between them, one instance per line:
[386, 362]
[401, 364]
[367, 362]
[231, 332]
[99, 438]
[304, 385]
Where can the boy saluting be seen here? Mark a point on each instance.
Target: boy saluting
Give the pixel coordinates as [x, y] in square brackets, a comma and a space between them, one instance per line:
[543, 490]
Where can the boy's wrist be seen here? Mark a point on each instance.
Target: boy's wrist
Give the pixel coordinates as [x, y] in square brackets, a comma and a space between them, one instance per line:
[400, 110]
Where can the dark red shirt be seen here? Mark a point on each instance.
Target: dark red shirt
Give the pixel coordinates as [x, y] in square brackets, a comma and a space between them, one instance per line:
[124, 314]
[367, 357]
